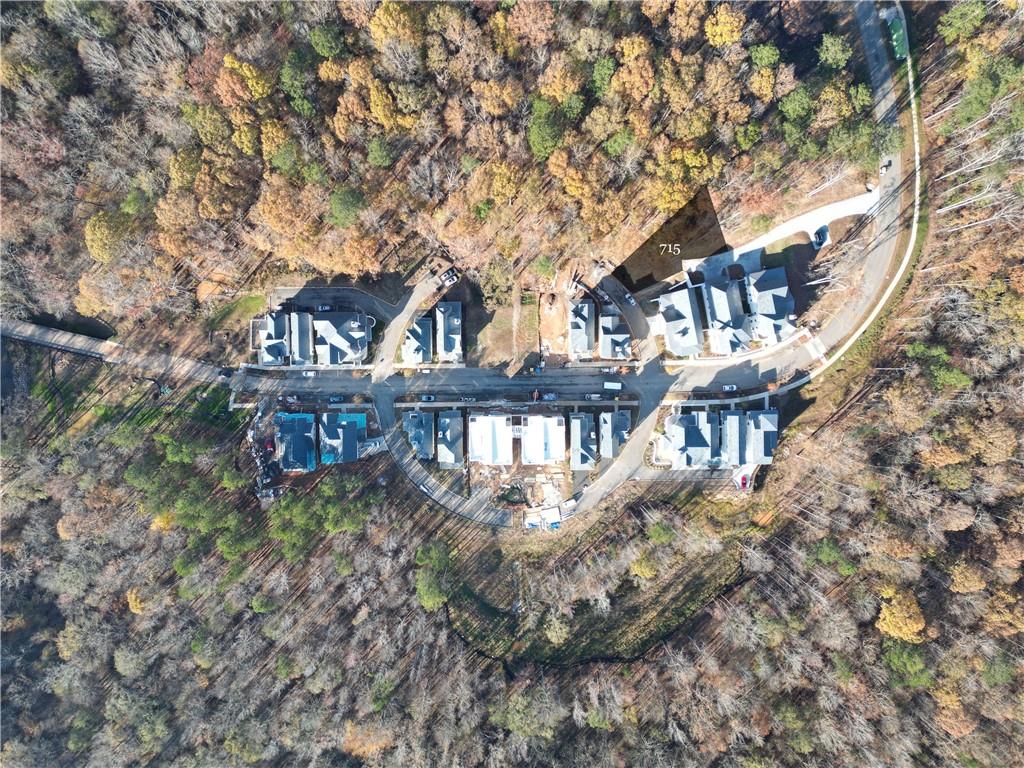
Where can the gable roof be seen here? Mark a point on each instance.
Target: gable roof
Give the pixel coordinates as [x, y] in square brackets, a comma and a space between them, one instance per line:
[418, 346]
[419, 426]
[763, 437]
[702, 439]
[300, 338]
[543, 440]
[449, 331]
[581, 327]
[681, 323]
[582, 442]
[296, 441]
[727, 322]
[614, 431]
[771, 304]
[449, 440]
[613, 335]
[490, 438]
[341, 337]
[341, 436]
[691, 439]
[273, 339]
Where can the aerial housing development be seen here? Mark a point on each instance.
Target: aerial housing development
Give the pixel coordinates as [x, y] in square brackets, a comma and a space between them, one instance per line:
[512, 383]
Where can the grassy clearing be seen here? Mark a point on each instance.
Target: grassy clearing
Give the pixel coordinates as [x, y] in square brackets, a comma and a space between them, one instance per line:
[236, 313]
[494, 343]
[783, 252]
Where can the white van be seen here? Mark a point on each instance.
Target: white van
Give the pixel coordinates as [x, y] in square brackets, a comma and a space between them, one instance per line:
[615, 386]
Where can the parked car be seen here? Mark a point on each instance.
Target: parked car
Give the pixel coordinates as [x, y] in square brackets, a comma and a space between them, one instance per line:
[427, 398]
[291, 399]
[227, 373]
[604, 296]
[324, 308]
[592, 397]
[549, 396]
[630, 300]
[308, 374]
[450, 276]
[884, 167]
[336, 399]
[820, 237]
[268, 444]
[467, 399]
[729, 388]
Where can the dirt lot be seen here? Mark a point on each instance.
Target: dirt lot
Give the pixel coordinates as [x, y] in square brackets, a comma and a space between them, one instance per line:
[554, 314]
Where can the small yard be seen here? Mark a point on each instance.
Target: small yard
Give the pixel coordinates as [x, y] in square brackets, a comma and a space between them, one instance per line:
[236, 314]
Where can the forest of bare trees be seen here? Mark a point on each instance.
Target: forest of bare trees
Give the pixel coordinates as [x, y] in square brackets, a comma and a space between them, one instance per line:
[154, 614]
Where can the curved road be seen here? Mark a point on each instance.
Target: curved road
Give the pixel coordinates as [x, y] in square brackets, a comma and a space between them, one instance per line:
[783, 368]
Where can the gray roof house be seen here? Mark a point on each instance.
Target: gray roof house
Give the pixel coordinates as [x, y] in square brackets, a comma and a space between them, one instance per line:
[581, 328]
[296, 441]
[613, 427]
[762, 436]
[300, 338]
[679, 321]
[613, 335]
[707, 439]
[771, 305]
[342, 436]
[449, 440]
[728, 327]
[690, 441]
[419, 426]
[734, 438]
[582, 442]
[418, 347]
[449, 331]
[342, 337]
[271, 339]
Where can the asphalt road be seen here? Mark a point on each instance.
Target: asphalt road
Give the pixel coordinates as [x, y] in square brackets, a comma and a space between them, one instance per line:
[650, 386]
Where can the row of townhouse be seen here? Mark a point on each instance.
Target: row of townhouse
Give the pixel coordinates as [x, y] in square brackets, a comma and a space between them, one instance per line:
[303, 338]
[340, 437]
[435, 334]
[607, 331]
[542, 437]
[707, 439]
[738, 312]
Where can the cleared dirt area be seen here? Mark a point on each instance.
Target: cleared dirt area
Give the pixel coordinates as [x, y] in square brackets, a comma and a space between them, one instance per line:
[526, 342]
[494, 345]
[554, 311]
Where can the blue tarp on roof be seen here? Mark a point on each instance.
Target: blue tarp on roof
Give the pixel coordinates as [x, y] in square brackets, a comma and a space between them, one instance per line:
[340, 437]
[297, 441]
